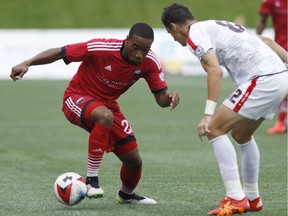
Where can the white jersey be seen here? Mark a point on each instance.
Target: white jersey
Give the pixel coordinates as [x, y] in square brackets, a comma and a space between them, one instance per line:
[242, 53]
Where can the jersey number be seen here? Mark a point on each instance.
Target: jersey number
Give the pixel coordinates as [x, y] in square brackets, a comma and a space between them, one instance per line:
[232, 26]
[236, 95]
[127, 128]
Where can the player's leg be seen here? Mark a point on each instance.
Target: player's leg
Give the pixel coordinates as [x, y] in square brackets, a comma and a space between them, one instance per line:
[126, 149]
[222, 122]
[130, 175]
[281, 125]
[131, 169]
[256, 99]
[250, 160]
[102, 118]
[95, 118]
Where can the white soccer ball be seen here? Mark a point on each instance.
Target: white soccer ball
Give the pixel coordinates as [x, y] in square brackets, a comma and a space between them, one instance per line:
[70, 188]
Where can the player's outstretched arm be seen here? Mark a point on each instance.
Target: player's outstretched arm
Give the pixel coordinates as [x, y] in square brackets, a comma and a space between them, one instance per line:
[165, 99]
[45, 57]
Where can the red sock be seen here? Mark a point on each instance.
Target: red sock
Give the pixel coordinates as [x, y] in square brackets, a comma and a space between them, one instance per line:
[130, 179]
[98, 142]
[282, 117]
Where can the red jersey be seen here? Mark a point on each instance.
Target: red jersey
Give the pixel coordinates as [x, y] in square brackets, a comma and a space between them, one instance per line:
[104, 74]
[278, 11]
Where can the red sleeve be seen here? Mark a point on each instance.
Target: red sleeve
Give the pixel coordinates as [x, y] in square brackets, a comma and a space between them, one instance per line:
[155, 77]
[74, 52]
[265, 7]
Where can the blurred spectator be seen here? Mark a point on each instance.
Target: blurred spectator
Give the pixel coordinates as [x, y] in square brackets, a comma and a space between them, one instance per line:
[240, 19]
[277, 9]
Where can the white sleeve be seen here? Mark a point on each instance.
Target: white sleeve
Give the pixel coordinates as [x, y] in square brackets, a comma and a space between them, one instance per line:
[198, 42]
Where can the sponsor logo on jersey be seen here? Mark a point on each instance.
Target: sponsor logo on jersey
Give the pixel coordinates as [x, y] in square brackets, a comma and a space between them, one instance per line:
[97, 150]
[137, 72]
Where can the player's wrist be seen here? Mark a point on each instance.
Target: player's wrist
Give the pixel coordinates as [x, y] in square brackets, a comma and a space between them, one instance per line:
[210, 107]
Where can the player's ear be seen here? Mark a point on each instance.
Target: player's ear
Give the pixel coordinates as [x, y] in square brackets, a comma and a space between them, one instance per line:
[127, 39]
[173, 26]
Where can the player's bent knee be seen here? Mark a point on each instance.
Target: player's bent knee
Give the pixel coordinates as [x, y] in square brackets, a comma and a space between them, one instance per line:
[214, 133]
[107, 118]
[240, 138]
[103, 116]
[132, 159]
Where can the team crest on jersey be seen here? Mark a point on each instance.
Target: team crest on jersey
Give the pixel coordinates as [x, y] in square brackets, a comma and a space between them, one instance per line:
[199, 51]
[80, 100]
[137, 72]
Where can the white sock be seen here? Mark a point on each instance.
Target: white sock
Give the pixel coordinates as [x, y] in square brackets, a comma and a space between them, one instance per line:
[227, 162]
[250, 160]
[251, 190]
[93, 165]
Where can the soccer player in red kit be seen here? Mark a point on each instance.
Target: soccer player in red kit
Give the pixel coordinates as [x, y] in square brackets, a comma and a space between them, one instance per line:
[278, 10]
[109, 68]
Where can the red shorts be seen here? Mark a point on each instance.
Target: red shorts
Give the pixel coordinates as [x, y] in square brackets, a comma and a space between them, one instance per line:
[77, 109]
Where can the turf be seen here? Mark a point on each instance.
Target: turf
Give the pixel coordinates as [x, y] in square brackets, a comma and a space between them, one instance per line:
[37, 144]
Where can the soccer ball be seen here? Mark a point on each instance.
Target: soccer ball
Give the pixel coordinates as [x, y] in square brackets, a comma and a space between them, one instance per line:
[70, 188]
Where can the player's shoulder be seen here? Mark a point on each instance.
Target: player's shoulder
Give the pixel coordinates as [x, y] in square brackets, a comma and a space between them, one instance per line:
[107, 44]
[152, 59]
[203, 24]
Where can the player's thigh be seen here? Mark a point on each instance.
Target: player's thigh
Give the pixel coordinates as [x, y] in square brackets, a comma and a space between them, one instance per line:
[121, 139]
[85, 111]
[226, 120]
[223, 121]
[243, 131]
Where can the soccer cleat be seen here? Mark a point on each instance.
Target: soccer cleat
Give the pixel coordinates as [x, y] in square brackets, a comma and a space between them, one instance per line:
[134, 199]
[277, 128]
[229, 206]
[256, 204]
[93, 188]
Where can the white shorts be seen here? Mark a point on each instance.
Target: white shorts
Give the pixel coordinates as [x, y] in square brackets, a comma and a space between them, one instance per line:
[259, 97]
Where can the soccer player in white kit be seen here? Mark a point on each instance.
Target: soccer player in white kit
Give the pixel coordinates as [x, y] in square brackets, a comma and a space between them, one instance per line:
[260, 77]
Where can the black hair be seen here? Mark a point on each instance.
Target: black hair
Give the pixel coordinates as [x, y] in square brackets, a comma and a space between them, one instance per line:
[142, 30]
[176, 13]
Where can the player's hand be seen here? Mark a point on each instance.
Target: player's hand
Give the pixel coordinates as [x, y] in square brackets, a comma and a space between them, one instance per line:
[18, 71]
[203, 126]
[174, 99]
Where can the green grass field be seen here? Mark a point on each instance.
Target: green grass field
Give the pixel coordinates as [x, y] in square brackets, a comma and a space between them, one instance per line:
[37, 144]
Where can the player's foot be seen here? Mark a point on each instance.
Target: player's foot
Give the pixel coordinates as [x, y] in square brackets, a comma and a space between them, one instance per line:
[278, 128]
[256, 204]
[229, 206]
[134, 199]
[93, 188]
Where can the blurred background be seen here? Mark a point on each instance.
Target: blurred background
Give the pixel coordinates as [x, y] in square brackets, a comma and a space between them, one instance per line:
[37, 143]
[116, 13]
[28, 27]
